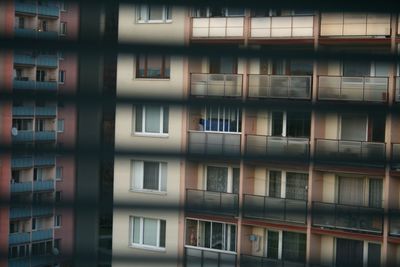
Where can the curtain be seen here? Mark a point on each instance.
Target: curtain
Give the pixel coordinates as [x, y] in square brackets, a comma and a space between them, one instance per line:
[217, 179]
[354, 127]
[375, 193]
[351, 191]
[349, 253]
[274, 189]
[296, 185]
[151, 172]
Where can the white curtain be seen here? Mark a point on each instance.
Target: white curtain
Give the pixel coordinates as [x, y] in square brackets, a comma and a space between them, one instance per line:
[351, 191]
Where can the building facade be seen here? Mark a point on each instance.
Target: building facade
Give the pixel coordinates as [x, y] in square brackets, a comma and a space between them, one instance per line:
[276, 161]
[35, 230]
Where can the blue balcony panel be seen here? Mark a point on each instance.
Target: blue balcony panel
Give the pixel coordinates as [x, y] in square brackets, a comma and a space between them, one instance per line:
[42, 234]
[22, 162]
[23, 136]
[24, 85]
[20, 212]
[43, 210]
[25, 8]
[47, 61]
[49, 11]
[23, 111]
[45, 160]
[46, 111]
[18, 238]
[46, 85]
[25, 33]
[45, 136]
[21, 187]
[24, 59]
[43, 185]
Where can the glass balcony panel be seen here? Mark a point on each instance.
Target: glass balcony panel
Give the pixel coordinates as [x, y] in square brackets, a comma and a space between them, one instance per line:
[275, 208]
[21, 187]
[42, 234]
[253, 206]
[18, 238]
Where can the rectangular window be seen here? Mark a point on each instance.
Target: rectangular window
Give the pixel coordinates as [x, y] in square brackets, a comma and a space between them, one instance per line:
[274, 188]
[154, 14]
[152, 66]
[349, 252]
[212, 235]
[23, 124]
[61, 76]
[60, 125]
[63, 28]
[57, 221]
[148, 232]
[147, 175]
[296, 185]
[221, 119]
[63, 6]
[272, 244]
[58, 196]
[375, 193]
[59, 173]
[151, 119]
[40, 75]
[290, 124]
[294, 247]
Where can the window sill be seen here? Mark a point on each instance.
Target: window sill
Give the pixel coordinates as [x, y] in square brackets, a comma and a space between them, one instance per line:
[152, 79]
[144, 247]
[150, 192]
[154, 22]
[154, 135]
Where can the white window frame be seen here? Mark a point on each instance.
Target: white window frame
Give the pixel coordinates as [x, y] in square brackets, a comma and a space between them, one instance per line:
[280, 242]
[59, 123]
[205, 118]
[141, 232]
[145, 9]
[143, 132]
[137, 176]
[229, 185]
[57, 221]
[59, 178]
[283, 180]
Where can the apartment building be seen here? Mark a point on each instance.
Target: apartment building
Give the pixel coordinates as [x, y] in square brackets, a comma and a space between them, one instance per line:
[275, 162]
[35, 230]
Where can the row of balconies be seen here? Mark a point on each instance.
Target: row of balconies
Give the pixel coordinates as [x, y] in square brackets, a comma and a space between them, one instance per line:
[26, 84]
[30, 111]
[45, 185]
[325, 215]
[31, 136]
[17, 213]
[50, 61]
[33, 33]
[331, 25]
[39, 235]
[33, 9]
[40, 260]
[219, 143]
[19, 162]
[363, 89]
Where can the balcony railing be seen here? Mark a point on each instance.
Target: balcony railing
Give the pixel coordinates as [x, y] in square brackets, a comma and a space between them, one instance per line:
[46, 85]
[21, 187]
[45, 136]
[212, 202]
[271, 208]
[47, 61]
[22, 162]
[20, 212]
[24, 59]
[368, 89]
[355, 24]
[42, 234]
[47, 34]
[255, 261]
[394, 223]
[280, 86]
[200, 257]
[23, 111]
[282, 27]
[277, 146]
[26, 8]
[214, 143]
[222, 85]
[23, 136]
[350, 151]
[46, 185]
[396, 156]
[347, 217]
[45, 160]
[48, 10]
[46, 111]
[24, 84]
[223, 27]
[18, 238]
[42, 210]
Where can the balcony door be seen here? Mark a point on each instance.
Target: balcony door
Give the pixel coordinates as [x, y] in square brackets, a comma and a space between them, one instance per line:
[289, 185]
[365, 69]
[353, 127]
[222, 179]
[360, 191]
[286, 246]
[349, 253]
[290, 124]
[223, 65]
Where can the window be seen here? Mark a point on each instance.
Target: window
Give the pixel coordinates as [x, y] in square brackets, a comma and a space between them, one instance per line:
[63, 28]
[290, 124]
[34, 225]
[148, 232]
[222, 179]
[23, 124]
[148, 175]
[152, 66]
[360, 191]
[154, 14]
[38, 174]
[291, 185]
[57, 221]
[63, 6]
[20, 22]
[286, 246]
[59, 173]
[42, 25]
[20, 251]
[224, 65]
[221, 119]
[42, 248]
[58, 196]
[40, 125]
[151, 119]
[61, 76]
[40, 75]
[214, 235]
[274, 189]
[14, 227]
[349, 252]
[60, 125]
[217, 12]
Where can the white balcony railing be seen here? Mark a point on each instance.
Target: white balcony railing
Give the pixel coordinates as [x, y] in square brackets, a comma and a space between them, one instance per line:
[227, 27]
[223, 85]
[281, 27]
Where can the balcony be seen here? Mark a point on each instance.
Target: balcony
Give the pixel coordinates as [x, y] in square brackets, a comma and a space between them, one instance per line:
[42, 234]
[23, 136]
[366, 89]
[18, 238]
[45, 136]
[256, 261]
[25, 8]
[45, 160]
[23, 111]
[394, 223]
[24, 84]
[214, 143]
[280, 86]
[42, 210]
[21, 187]
[350, 151]
[20, 212]
[21, 162]
[46, 85]
[46, 111]
[347, 217]
[282, 27]
[354, 24]
[50, 35]
[21, 59]
[48, 10]
[277, 209]
[50, 61]
[212, 202]
[25, 33]
[216, 85]
[217, 28]
[277, 146]
[396, 156]
[199, 257]
[47, 185]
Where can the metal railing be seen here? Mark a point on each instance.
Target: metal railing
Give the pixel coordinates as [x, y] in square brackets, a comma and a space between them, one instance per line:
[223, 85]
[368, 89]
[214, 143]
[280, 86]
[32, 85]
[277, 146]
[394, 223]
[271, 208]
[256, 261]
[395, 156]
[202, 257]
[281, 27]
[347, 217]
[212, 202]
[351, 151]
[218, 27]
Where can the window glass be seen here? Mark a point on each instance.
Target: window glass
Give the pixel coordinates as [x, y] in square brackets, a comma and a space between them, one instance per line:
[151, 175]
[152, 119]
[296, 185]
[294, 247]
[150, 232]
[152, 66]
[272, 245]
[356, 69]
[277, 123]
[274, 184]
[155, 12]
[217, 179]
[375, 193]
[155, 119]
[298, 124]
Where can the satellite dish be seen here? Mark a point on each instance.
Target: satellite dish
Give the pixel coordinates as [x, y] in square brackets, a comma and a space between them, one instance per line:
[14, 131]
[55, 251]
